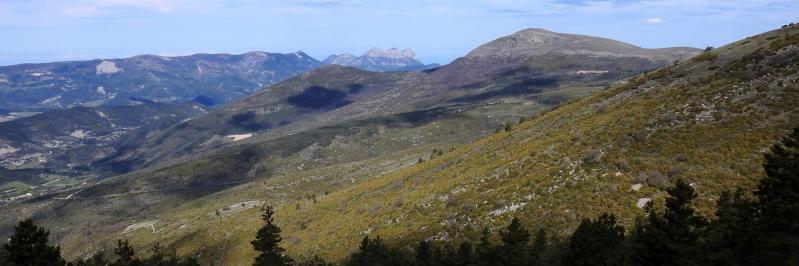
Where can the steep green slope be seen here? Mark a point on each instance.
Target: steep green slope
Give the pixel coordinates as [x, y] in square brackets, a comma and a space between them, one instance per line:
[707, 120]
[385, 125]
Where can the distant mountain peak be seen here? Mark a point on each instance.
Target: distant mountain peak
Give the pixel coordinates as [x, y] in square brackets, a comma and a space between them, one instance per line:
[391, 53]
[377, 59]
[221, 77]
[342, 59]
[537, 41]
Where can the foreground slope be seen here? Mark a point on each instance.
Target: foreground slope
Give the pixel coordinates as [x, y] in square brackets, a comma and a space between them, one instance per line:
[310, 136]
[707, 120]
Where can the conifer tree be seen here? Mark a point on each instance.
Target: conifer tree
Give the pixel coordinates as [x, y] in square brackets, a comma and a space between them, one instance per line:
[596, 242]
[95, 260]
[778, 204]
[374, 252]
[267, 242]
[485, 252]
[730, 237]
[513, 250]
[161, 258]
[424, 254]
[125, 255]
[672, 239]
[315, 261]
[464, 255]
[28, 246]
[540, 247]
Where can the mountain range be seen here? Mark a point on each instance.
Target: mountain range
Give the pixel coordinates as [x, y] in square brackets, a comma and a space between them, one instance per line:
[334, 94]
[544, 126]
[377, 59]
[211, 78]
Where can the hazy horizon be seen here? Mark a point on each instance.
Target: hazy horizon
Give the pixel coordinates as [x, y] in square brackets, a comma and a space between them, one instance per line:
[438, 31]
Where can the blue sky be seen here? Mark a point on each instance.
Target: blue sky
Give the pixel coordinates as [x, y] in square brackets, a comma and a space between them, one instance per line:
[437, 30]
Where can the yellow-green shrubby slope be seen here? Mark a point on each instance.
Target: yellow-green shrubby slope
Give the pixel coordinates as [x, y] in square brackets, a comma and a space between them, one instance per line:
[707, 120]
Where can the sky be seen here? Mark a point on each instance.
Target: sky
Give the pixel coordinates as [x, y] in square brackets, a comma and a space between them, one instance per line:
[437, 30]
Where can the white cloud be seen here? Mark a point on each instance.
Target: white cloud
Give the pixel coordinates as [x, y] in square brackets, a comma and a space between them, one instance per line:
[653, 21]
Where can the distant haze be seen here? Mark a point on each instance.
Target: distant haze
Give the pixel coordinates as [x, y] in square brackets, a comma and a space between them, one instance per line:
[438, 31]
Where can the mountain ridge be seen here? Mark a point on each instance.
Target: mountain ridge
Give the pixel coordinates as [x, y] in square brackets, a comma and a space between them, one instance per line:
[221, 77]
[375, 129]
[537, 41]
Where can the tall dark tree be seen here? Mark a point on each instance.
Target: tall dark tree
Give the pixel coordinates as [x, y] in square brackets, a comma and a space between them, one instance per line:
[426, 255]
[373, 252]
[671, 239]
[28, 246]
[596, 242]
[267, 242]
[731, 237]
[3, 256]
[778, 204]
[315, 261]
[540, 247]
[464, 255]
[514, 249]
[95, 260]
[161, 258]
[486, 254]
[125, 254]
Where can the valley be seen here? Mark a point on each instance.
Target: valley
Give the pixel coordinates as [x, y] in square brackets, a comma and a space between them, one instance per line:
[321, 135]
[537, 127]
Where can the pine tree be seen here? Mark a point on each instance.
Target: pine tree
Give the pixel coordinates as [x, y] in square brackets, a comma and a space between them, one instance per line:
[161, 258]
[672, 239]
[540, 247]
[158, 257]
[730, 237]
[513, 250]
[315, 261]
[464, 255]
[374, 252]
[485, 252]
[95, 260]
[596, 242]
[424, 254]
[28, 246]
[267, 242]
[125, 255]
[778, 204]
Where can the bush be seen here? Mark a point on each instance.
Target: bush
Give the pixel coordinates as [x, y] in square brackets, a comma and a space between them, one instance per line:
[592, 156]
[707, 56]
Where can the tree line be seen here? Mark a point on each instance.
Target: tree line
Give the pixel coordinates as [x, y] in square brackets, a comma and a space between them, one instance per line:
[763, 229]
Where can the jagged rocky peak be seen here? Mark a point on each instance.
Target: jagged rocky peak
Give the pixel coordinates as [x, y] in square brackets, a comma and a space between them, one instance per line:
[391, 53]
[341, 59]
[377, 59]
